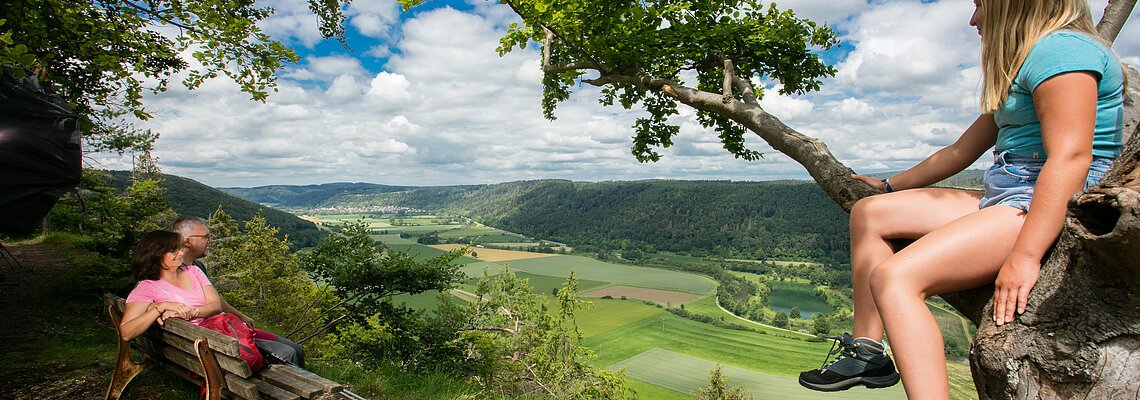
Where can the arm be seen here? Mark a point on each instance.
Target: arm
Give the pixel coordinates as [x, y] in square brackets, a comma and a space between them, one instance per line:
[1066, 107]
[139, 315]
[949, 160]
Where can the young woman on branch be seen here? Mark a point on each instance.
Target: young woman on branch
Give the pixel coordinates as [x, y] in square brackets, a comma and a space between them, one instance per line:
[1052, 110]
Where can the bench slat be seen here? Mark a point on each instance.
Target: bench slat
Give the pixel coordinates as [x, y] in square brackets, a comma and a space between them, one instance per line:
[273, 392]
[189, 362]
[291, 383]
[243, 388]
[227, 363]
[306, 376]
[225, 344]
[180, 372]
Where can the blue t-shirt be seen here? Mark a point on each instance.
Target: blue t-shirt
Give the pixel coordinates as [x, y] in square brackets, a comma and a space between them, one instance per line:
[1019, 130]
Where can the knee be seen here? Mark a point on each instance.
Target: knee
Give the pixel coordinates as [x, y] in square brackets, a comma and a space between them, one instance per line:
[886, 282]
[866, 212]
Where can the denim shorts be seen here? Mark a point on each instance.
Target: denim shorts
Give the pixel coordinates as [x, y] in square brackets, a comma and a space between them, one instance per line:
[1010, 181]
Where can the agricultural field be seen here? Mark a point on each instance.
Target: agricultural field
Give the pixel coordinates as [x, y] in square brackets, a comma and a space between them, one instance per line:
[665, 356]
[494, 255]
[592, 269]
[445, 227]
[667, 297]
[684, 374]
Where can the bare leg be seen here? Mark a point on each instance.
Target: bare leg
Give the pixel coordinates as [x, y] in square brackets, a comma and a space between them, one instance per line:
[963, 254]
[908, 214]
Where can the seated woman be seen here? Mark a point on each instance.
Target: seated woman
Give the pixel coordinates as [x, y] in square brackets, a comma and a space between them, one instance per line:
[168, 289]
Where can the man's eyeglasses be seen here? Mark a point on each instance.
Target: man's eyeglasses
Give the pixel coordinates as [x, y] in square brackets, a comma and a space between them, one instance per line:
[206, 236]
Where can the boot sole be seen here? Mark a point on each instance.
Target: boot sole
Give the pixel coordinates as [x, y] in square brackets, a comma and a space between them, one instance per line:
[871, 382]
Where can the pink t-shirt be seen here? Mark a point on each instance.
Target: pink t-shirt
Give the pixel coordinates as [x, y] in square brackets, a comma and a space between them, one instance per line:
[158, 291]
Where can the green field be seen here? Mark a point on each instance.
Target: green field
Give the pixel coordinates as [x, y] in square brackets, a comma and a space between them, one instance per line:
[420, 252]
[684, 374]
[786, 295]
[424, 224]
[707, 306]
[592, 269]
[605, 315]
[764, 353]
[666, 356]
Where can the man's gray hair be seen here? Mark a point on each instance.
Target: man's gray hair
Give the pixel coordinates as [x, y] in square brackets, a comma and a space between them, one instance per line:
[185, 225]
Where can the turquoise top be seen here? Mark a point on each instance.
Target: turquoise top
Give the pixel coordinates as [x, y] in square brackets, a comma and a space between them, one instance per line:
[1019, 130]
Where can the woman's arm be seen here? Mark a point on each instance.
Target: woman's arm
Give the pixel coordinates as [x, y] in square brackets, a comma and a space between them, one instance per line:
[139, 315]
[1066, 107]
[946, 162]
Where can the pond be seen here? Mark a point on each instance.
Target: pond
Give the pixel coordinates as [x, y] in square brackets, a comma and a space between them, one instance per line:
[786, 295]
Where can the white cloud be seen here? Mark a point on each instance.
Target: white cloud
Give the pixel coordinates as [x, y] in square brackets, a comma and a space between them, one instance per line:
[389, 87]
[344, 88]
[446, 109]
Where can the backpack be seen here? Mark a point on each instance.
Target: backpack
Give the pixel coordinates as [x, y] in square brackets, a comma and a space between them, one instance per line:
[230, 325]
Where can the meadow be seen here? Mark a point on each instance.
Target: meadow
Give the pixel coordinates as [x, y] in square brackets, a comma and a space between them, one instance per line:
[664, 355]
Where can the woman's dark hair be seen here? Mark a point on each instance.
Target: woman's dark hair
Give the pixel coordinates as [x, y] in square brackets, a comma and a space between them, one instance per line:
[146, 263]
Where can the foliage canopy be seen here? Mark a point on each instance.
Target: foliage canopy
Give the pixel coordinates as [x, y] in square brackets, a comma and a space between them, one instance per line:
[103, 55]
[633, 49]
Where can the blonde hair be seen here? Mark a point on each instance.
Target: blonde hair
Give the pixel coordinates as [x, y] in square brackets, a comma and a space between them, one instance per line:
[1010, 28]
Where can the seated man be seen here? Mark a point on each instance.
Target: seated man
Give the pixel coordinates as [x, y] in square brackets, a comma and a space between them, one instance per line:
[196, 240]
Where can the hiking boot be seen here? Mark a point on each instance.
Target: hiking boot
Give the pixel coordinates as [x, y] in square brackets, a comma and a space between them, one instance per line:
[859, 362]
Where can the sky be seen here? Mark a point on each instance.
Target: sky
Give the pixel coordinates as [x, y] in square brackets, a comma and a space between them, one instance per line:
[423, 99]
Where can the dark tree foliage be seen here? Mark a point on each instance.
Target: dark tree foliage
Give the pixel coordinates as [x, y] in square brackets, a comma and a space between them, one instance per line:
[191, 198]
[365, 275]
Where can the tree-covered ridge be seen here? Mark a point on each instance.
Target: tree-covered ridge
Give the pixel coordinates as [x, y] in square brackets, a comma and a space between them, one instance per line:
[308, 196]
[786, 219]
[191, 198]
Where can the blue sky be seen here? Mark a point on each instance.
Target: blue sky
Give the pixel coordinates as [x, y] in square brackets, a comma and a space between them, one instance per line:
[423, 99]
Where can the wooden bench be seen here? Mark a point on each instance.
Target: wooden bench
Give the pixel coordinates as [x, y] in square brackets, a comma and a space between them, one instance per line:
[210, 359]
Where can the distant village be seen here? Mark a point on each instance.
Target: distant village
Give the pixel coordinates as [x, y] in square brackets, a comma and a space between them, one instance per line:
[385, 209]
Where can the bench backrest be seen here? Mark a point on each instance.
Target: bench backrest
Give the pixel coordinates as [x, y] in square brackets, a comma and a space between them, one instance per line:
[174, 340]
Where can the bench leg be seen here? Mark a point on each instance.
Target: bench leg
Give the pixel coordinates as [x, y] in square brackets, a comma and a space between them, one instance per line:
[125, 369]
[213, 373]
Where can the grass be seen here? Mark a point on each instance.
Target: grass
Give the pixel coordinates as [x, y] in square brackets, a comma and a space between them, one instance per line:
[606, 315]
[707, 306]
[391, 383]
[684, 373]
[650, 391]
[591, 269]
[420, 252]
[764, 353]
[955, 330]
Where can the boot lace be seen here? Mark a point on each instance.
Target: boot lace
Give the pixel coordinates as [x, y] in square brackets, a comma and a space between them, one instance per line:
[842, 347]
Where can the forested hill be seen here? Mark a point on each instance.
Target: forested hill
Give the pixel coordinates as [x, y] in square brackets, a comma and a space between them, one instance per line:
[309, 196]
[191, 198]
[784, 219]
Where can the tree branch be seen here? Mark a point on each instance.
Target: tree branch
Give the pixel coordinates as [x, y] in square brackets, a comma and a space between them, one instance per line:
[547, 28]
[491, 329]
[1115, 15]
[157, 14]
[746, 90]
[729, 74]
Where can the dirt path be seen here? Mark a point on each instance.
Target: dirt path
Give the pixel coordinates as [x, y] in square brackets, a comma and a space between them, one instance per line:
[24, 298]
